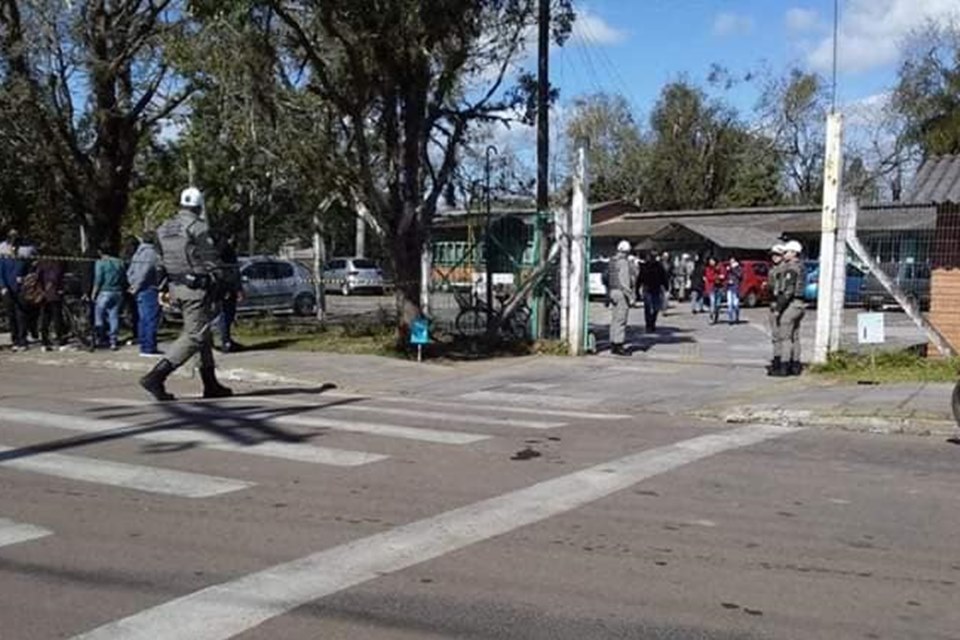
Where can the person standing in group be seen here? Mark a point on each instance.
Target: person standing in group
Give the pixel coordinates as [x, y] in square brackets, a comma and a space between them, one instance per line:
[697, 285]
[11, 278]
[193, 270]
[667, 267]
[129, 304]
[144, 274]
[791, 309]
[714, 277]
[653, 284]
[773, 321]
[232, 290]
[620, 288]
[734, 280]
[109, 283]
[50, 274]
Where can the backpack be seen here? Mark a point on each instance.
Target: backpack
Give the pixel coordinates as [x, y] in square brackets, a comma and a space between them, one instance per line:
[31, 291]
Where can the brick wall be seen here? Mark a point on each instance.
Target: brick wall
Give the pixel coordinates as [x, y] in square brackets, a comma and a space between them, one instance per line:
[945, 306]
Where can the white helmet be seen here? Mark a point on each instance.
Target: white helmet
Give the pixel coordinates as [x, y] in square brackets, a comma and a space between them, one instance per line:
[793, 247]
[623, 247]
[777, 249]
[191, 198]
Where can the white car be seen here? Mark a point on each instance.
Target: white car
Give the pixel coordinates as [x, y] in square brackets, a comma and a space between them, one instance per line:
[598, 272]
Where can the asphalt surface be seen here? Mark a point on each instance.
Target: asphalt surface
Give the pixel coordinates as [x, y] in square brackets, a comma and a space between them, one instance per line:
[300, 513]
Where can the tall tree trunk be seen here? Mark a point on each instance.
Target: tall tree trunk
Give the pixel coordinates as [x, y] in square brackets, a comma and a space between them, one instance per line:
[407, 249]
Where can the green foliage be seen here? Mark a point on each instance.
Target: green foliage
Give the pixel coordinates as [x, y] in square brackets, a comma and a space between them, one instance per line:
[928, 89]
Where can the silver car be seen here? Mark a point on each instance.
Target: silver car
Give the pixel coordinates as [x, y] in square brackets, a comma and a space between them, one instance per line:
[350, 275]
[276, 285]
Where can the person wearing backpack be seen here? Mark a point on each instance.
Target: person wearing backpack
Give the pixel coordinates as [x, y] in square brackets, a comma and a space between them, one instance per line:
[50, 275]
[144, 275]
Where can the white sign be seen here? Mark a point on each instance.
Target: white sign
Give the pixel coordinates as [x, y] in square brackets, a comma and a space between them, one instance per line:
[870, 328]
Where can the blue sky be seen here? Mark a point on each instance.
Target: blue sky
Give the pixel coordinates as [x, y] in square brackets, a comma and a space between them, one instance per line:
[634, 47]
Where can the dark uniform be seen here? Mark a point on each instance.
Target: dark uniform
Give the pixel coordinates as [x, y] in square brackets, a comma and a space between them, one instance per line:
[620, 288]
[775, 282]
[791, 309]
[191, 262]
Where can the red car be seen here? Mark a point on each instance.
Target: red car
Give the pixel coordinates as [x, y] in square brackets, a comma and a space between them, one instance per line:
[754, 288]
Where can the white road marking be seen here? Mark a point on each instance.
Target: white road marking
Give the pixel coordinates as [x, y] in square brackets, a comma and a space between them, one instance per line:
[231, 608]
[387, 430]
[186, 435]
[584, 415]
[430, 415]
[16, 532]
[533, 386]
[530, 399]
[121, 474]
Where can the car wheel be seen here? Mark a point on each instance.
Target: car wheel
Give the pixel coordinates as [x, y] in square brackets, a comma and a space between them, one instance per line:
[345, 289]
[751, 299]
[304, 305]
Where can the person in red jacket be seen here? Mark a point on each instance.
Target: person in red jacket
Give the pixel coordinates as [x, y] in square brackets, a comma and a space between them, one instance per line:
[714, 279]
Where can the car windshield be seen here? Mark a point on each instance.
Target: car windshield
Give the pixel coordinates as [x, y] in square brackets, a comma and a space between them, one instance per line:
[364, 264]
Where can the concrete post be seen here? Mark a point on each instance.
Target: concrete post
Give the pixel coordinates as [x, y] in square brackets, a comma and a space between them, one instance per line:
[578, 257]
[832, 174]
[426, 272]
[562, 228]
[361, 237]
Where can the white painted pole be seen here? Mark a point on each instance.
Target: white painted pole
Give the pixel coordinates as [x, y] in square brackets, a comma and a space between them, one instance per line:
[562, 227]
[840, 273]
[578, 256]
[426, 272]
[832, 173]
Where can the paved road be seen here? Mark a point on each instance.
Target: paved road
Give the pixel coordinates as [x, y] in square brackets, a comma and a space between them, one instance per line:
[291, 513]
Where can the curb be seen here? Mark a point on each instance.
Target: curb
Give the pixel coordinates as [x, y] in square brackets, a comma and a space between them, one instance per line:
[859, 424]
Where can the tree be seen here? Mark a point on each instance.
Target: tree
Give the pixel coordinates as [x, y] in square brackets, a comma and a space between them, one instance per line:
[928, 89]
[616, 151]
[408, 79]
[88, 82]
[794, 109]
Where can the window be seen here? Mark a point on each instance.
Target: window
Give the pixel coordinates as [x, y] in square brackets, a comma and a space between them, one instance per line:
[761, 269]
[281, 270]
[257, 271]
[335, 265]
[364, 264]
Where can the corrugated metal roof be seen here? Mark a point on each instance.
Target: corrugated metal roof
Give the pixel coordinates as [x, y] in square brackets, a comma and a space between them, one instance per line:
[780, 220]
[728, 237]
[937, 181]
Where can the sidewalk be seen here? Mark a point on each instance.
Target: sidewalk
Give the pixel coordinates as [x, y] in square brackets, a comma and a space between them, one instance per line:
[713, 373]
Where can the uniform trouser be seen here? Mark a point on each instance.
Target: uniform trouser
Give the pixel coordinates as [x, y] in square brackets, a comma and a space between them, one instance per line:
[790, 331]
[619, 315]
[775, 337]
[52, 312]
[198, 314]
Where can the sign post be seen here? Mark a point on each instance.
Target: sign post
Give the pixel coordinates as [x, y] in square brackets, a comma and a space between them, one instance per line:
[420, 335]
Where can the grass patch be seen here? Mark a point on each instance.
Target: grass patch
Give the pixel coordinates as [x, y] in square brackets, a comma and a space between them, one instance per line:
[888, 366]
[356, 338]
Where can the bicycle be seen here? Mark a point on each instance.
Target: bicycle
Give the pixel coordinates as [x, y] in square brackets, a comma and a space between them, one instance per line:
[77, 320]
[476, 318]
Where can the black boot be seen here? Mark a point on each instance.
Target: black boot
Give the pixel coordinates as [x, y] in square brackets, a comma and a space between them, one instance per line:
[781, 370]
[212, 388]
[153, 382]
[775, 365]
[794, 368]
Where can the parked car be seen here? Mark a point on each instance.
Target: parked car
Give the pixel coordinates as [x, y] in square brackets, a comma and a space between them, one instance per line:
[854, 283]
[754, 288]
[352, 275]
[271, 285]
[598, 272]
[912, 278]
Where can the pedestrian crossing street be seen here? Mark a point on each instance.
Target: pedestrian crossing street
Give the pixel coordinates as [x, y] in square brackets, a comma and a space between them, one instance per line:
[274, 426]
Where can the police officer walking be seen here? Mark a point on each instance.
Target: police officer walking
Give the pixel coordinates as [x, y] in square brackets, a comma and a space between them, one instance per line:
[791, 309]
[191, 262]
[621, 284]
[774, 284]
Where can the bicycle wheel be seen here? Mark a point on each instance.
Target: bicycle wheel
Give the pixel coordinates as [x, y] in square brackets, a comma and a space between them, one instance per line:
[76, 317]
[517, 328]
[471, 322]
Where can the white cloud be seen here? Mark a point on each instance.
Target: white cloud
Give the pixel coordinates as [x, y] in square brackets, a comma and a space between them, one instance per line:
[591, 29]
[801, 20]
[732, 24]
[872, 32]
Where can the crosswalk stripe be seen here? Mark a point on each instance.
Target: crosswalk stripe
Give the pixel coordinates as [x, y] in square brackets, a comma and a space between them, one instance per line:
[528, 399]
[499, 407]
[388, 430]
[16, 532]
[231, 608]
[121, 474]
[430, 415]
[284, 450]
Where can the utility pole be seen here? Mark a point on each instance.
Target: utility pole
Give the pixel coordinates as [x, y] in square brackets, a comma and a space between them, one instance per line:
[578, 257]
[543, 150]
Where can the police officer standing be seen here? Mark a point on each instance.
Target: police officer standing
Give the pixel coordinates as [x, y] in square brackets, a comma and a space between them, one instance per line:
[621, 284]
[773, 283]
[791, 308]
[191, 262]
